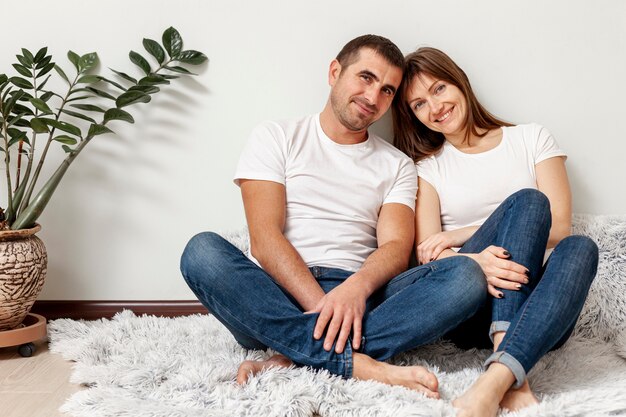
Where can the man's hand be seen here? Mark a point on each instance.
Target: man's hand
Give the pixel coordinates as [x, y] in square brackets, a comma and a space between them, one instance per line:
[500, 272]
[341, 310]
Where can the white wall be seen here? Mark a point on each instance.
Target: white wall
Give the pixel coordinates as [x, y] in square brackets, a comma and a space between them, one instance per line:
[120, 219]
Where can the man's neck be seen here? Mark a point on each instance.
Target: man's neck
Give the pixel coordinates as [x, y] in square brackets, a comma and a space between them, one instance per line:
[337, 132]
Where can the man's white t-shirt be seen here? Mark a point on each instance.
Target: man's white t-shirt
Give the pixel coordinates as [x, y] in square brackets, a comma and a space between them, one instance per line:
[472, 186]
[334, 192]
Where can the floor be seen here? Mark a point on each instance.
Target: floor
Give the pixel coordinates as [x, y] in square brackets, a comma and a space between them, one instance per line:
[35, 386]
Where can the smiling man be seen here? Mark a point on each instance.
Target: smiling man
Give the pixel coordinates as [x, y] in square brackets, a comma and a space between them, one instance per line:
[330, 210]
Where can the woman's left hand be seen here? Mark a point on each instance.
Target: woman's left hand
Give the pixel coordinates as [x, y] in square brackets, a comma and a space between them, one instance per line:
[433, 245]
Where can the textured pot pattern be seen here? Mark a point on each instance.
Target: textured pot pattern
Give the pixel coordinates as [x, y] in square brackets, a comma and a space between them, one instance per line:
[23, 265]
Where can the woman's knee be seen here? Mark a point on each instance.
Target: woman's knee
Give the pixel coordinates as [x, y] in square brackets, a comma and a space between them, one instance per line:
[530, 197]
[580, 249]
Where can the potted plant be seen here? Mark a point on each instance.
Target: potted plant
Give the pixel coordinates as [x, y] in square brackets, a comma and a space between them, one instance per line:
[70, 119]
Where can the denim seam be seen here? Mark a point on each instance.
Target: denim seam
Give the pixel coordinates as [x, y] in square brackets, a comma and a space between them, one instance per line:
[255, 334]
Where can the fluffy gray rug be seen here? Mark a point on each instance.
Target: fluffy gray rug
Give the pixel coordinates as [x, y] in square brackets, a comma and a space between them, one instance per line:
[185, 367]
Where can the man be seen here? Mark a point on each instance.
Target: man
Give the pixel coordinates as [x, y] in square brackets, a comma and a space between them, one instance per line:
[330, 210]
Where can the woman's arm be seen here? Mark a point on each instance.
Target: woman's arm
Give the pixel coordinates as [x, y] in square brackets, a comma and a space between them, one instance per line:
[500, 272]
[552, 181]
[430, 242]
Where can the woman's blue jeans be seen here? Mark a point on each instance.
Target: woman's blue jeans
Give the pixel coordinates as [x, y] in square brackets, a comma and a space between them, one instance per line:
[414, 308]
[542, 314]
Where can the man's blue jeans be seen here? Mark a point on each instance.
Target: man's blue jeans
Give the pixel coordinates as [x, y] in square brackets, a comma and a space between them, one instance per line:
[542, 314]
[414, 308]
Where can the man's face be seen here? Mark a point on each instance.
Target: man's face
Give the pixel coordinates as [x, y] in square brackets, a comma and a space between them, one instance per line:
[363, 91]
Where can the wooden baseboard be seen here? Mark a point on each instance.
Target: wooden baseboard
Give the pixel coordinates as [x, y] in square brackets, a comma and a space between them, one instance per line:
[97, 309]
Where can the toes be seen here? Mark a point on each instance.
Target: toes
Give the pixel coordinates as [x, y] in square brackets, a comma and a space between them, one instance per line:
[243, 372]
[427, 379]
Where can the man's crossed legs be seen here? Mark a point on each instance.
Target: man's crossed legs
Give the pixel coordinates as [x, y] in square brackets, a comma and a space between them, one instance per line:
[414, 308]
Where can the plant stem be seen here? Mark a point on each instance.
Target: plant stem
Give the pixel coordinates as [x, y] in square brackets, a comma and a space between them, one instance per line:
[33, 181]
[7, 160]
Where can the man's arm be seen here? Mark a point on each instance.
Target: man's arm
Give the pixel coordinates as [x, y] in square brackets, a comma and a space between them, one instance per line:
[264, 203]
[342, 308]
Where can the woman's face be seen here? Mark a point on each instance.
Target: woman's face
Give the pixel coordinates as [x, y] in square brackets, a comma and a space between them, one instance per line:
[439, 105]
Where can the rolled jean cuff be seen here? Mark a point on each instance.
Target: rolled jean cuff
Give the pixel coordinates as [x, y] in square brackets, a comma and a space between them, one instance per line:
[498, 326]
[511, 363]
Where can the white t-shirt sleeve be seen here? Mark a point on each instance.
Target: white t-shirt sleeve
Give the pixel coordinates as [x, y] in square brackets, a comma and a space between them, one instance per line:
[264, 156]
[404, 189]
[427, 170]
[545, 146]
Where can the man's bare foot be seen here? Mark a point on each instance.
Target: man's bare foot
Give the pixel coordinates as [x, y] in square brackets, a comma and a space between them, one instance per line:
[483, 398]
[516, 399]
[251, 368]
[413, 377]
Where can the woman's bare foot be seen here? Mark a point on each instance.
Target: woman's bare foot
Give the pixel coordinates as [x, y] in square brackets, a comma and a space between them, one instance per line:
[516, 399]
[413, 377]
[251, 368]
[483, 398]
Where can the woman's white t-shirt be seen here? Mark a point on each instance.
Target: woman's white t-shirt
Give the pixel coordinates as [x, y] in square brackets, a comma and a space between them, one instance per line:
[472, 186]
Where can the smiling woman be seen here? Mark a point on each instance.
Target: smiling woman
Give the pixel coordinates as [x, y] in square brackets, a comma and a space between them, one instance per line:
[498, 194]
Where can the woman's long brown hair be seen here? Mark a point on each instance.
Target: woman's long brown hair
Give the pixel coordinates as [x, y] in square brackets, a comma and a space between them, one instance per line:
[410, 135]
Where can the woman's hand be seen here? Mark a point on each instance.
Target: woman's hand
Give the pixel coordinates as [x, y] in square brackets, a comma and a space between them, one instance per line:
[500, 272]
[433, 245]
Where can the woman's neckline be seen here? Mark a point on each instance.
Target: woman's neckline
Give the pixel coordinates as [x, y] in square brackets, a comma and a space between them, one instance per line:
[475, 154]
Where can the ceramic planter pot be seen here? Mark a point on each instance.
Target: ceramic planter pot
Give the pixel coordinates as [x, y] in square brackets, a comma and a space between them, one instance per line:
[23, 263]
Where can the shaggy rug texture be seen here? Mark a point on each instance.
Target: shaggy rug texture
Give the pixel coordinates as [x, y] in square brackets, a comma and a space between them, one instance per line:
[185, 367]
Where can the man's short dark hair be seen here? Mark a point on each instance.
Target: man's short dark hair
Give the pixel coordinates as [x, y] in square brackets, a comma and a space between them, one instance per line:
[383, 46]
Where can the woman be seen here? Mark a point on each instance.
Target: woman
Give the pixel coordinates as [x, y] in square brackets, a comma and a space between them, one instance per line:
[499, 194]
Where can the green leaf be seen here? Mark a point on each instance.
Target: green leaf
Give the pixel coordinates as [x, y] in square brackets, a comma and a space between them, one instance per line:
[87, 61]
[45, 70]
[66, 127]
[78, 115]
[21, 83]
[100, 93]
[148, 89]
[139, 61]
[40, 54]
[16, 134]
[132, 97]
[15, 140]
[88, 79]
[44, 62]
[169, 76]
[191, 57]
[28, 56]
[78, 98]
[88, 107]
[118, 114]
[23, 61]
[154, 49]
[97, 129]
[106, 80]
[38, 125]
[3, 78]
[12, 102]
[125, 76]
[67, 149]
[74, 58]
[43, 84]
[41, 105]
[180, 70]
[172, 41]
[153, 79]
[68, 140]
[22, 122]
[19, 109]
[62, 73]
[24, 97]
[47, 95]
[22, 70]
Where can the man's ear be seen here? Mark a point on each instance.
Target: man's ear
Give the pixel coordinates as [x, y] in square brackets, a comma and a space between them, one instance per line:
[333, 72]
